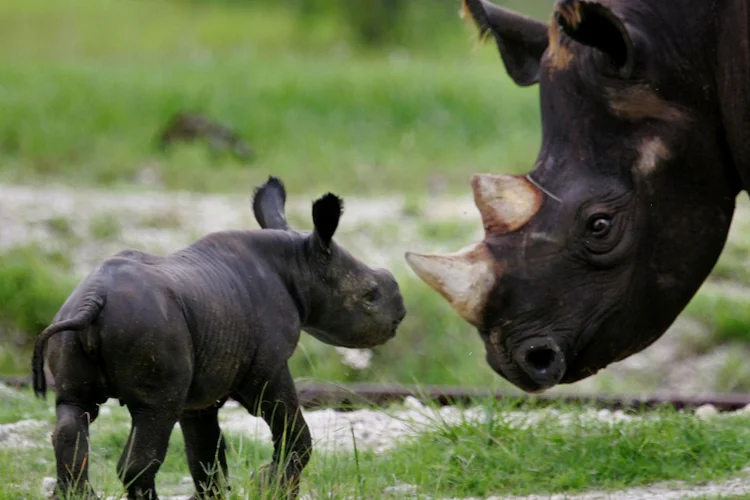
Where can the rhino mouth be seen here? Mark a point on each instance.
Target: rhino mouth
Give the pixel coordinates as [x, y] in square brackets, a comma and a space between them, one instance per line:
[364, 342]
[602, 343]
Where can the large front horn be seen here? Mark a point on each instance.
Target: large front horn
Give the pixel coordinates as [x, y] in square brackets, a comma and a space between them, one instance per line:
[464, 278]
[505, 202]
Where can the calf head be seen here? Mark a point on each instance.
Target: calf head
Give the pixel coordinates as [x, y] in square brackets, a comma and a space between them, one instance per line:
[350, 304]
[591, 256]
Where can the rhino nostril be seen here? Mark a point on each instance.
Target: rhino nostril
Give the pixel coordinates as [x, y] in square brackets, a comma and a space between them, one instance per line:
[541, 359]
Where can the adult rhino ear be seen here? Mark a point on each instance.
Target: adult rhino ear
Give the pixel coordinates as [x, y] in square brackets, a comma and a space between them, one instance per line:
[520, 40]
[268, 204]
[591, 23]
[326, 213]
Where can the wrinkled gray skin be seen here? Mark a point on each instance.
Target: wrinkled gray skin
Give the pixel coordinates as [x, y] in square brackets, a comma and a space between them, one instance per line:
[173, 337]
[645, 116]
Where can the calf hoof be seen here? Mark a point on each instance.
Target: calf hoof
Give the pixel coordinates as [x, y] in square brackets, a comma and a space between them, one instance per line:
[270, 481]
[210, 496]
[87, 495]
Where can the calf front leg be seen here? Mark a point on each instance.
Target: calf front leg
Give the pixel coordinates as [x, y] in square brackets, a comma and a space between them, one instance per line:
[206, 452]
[292, 443]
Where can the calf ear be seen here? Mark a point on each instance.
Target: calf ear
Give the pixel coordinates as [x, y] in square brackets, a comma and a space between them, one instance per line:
[326, 213]
[268, 204]
[520, 40]
[595, 25]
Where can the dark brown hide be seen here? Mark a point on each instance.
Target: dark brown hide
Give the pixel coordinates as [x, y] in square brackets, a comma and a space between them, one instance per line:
[645, 145]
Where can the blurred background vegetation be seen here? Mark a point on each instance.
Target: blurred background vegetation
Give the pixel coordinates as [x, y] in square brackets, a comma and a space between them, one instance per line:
[367, 98]
[376, 94]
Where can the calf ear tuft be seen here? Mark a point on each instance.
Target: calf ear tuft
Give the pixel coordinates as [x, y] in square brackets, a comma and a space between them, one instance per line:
[268, 204]
[326, 213]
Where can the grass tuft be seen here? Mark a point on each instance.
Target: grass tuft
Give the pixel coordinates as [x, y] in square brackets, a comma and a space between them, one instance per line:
[494, 457]
[726, 310]
[31, 290]
[497, 449]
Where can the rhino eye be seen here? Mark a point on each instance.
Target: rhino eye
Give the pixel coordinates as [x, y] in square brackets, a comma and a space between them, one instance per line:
[371, 295]
[600, 226]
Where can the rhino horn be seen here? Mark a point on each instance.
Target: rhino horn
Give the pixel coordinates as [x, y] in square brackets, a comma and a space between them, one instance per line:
[465, 278]
[505, 202]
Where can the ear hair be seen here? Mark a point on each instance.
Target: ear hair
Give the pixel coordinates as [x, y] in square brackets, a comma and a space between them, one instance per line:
[268, 204]
[326, 212]
[595, 25]
[520, 40]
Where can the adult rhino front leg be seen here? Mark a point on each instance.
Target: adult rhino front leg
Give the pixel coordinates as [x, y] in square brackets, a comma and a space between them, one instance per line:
[279, 407]
[206, 452]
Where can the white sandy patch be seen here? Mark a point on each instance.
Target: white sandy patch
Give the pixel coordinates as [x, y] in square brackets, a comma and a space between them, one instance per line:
[23, 434]
[7, 392]
[659, 491]
[381, 430]
[25, 212]
[358, 359]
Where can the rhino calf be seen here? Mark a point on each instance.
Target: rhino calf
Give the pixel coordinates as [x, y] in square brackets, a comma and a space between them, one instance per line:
[172, 337]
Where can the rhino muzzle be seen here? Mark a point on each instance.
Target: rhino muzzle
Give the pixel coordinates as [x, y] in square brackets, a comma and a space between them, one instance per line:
[466, 278]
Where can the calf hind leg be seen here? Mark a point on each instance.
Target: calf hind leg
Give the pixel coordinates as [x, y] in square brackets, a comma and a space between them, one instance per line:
[206, 452]
[145, 450]
[70, 440]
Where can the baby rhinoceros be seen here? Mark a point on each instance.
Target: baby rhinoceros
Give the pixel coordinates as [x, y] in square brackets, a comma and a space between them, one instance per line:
[172, 337]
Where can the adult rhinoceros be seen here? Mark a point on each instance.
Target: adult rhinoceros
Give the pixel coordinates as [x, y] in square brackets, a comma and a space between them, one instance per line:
[645, 145]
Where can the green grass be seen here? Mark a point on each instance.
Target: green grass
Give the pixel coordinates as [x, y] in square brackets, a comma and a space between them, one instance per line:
[31, 290]
[104, 227]
[726, 311]
[84, 91]
[492, 457]
[471, 458]
[734, 374]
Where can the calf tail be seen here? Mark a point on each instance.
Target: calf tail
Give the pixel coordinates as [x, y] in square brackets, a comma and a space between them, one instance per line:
[86, 314]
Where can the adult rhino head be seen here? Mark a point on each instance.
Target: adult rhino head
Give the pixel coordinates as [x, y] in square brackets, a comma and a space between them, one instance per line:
[591, 256]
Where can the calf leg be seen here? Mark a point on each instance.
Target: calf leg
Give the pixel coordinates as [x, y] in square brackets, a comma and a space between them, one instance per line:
[71, 442]
[79, 391]
[292, 442]
[145, 450]
[206, 452]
